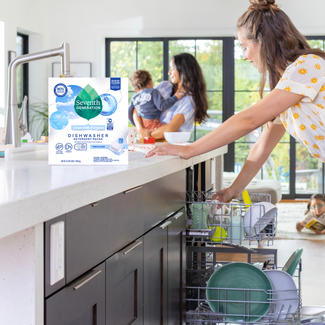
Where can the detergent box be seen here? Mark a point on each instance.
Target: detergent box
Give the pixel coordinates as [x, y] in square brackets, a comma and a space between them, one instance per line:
[88, 121]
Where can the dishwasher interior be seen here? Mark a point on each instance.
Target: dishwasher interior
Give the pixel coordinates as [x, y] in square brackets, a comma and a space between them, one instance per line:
[232, 273]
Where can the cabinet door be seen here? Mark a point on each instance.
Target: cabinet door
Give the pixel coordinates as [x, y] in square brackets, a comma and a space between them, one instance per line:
[176, 267]
[96, 231]
[155, 275]
[80, 303]
[124, 286]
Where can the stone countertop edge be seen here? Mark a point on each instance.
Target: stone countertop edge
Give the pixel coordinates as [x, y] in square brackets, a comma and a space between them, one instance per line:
[29, 208]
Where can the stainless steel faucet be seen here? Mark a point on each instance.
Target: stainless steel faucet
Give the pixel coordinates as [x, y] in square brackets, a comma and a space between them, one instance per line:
[12, 129]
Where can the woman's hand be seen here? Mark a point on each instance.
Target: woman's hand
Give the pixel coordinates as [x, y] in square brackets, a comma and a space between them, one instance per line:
[180, 92]
[225, 195]
[169, 149]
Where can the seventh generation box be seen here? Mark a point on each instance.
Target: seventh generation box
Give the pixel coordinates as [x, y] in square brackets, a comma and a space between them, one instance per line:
[88, 121]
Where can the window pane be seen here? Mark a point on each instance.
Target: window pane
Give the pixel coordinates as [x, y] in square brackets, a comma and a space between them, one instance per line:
[316, 44]
[215, 114]
[241, 152]
[245, 99]
[215, 104]
[180, 46]
[209, 56]
[200, 132]
[123, 59]
[308, 172]
[276, 166]
[279, 165]
[150, 57]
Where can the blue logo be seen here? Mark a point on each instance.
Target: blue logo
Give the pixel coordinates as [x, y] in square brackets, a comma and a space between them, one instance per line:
[68, 147]
[115, 83]
[59, 148]
[110, 125]
[60, 90]
[109, 104]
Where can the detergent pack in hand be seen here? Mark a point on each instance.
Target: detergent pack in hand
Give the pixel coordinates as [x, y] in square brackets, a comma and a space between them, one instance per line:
[88, 121]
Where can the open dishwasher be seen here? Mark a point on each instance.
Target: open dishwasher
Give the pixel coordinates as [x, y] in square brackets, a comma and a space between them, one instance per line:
[230, 277]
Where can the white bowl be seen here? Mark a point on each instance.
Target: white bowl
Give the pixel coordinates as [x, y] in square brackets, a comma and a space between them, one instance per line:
[177, 137]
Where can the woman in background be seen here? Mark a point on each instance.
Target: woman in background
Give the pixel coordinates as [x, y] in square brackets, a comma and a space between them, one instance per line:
[186, 76]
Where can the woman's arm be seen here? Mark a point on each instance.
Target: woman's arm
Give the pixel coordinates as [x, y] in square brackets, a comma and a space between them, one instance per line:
[236, 126]
[246, 121]
[271, 135]
[172, 126]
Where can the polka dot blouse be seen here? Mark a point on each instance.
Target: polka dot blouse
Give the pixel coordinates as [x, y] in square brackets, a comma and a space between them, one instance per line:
[306, 119]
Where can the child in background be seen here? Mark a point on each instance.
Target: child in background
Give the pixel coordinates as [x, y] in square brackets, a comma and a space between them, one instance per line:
[148, 101]
[315, 210]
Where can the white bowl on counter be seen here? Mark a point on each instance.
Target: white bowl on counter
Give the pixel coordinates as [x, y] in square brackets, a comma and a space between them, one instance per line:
[177, 137]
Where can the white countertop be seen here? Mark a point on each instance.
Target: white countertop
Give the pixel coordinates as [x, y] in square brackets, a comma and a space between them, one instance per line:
[32, 192]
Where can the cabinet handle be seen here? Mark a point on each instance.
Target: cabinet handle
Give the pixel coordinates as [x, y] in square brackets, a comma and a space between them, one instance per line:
[94, 204]
[132, 248]
[89, 277]
[133, 189]
[165, 224]
[177, 215]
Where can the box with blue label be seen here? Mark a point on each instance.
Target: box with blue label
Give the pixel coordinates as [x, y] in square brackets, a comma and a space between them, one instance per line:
[88, 121]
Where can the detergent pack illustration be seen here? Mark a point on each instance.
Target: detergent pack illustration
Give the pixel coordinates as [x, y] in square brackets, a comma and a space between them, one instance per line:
[88, 121]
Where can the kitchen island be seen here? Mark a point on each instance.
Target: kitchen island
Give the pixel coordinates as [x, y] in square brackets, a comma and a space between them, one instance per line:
[32, 193]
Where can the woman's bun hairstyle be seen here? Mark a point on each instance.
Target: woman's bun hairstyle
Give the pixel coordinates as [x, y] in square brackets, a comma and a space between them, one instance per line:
[263, 5]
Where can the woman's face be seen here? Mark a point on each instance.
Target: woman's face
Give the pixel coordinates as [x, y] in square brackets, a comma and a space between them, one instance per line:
[318, 206]
[173, 73]
[251, 49]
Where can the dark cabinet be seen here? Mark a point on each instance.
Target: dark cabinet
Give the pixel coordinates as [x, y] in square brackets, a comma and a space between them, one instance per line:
[124, 286]
[136, 235]
[155, 275]
[98, 230]
[144, 280]
[176, 267]
[80, 303]
[202, 180]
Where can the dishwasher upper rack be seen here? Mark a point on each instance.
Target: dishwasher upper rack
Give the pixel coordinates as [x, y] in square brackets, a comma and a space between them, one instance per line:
[201, 261]
[230, 223]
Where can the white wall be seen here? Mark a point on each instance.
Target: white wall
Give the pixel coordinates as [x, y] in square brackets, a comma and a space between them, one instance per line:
[86, 24]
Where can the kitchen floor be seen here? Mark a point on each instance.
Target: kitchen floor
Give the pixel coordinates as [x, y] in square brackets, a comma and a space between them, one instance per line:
[313, 266]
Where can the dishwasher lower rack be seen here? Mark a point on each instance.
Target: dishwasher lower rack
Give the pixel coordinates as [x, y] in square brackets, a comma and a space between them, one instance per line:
[234, 305]
[234, 222]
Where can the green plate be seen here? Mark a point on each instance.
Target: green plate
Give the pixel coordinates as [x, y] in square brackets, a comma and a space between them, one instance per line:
[293, 261]
[243, 304]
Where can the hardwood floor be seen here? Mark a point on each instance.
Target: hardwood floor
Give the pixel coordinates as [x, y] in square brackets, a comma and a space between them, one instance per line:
[313, 267]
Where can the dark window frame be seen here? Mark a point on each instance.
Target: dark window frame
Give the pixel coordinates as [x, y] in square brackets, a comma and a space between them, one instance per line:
[25, 50]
